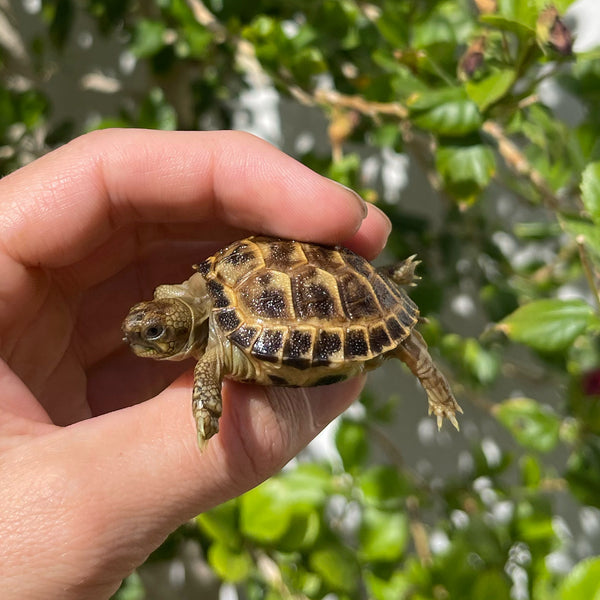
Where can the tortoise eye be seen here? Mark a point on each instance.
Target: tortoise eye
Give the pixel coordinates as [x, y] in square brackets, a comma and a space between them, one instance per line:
[154, 332]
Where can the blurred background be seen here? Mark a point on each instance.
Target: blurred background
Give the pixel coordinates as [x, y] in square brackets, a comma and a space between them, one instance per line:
[475, 126]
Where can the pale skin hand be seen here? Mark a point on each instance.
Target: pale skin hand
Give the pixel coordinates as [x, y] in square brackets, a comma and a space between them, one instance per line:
[92, 480]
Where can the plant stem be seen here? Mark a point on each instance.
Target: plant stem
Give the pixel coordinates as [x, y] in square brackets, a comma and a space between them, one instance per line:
[588, 270]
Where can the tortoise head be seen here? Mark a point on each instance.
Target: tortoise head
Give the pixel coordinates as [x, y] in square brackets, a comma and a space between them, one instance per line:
[172, 326]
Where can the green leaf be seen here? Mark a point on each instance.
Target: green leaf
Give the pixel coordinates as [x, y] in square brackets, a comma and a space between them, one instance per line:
[590, 190]
[531, 471]
[337, 566]
[482, 364]
[268, 511]
[383, 535]
[503, 24]
[518, 15]
[455, 118]
[351, 443]
[582, 582]
[63, 18]
[586, 231]
[532, 425]
[382, 486]
[397, 586]
[220, 523]
[583, 472]
[548, 325]
[230, 565]
[302, 532]
[490, 89]
[491, 585]
[148, 38]
[466, 169]
[156, 112]
[132, 588]
[264, 515]
[428, 99]
[534, 521]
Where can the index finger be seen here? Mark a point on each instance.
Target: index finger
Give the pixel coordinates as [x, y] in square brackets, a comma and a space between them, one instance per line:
[80, 194]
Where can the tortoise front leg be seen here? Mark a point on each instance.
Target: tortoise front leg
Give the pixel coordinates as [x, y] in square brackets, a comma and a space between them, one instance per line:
[413, 351]
[207, 404]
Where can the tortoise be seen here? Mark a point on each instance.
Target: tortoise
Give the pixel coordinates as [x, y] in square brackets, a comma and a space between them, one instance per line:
[287, 313]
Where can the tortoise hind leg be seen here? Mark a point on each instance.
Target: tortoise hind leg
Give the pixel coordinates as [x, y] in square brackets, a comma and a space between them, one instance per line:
[207, 404]
[413, 351]
[402, 273]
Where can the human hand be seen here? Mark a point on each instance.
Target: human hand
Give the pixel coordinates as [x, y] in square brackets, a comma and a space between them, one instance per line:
[92, 479]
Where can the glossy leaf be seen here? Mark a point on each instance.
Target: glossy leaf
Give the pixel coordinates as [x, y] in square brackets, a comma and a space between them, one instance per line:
[590, 190]
[337, 566]
[583, 471]
[148, 38]
[383, 535]
[230, 565]
[454, 118]
[383, 486]
[491, 585]
[466, 170]
[220, 523]
[532, 425]
[351, 443]
[392, 588]
[489, 90]
[548, 325]
[582, 582]
[264, 515]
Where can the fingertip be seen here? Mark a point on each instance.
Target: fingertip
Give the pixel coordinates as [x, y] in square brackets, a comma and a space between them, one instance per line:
[372, 235]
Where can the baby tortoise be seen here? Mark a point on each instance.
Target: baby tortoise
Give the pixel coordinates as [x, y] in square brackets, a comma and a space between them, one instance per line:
[281, 312]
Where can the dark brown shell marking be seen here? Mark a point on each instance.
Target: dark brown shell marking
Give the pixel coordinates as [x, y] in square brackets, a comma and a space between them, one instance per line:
[304, 305]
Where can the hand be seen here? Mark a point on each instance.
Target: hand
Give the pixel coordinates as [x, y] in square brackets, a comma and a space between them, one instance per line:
[91, 478]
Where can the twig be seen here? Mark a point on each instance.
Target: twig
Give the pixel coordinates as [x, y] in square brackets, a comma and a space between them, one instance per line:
[418, 531]
[272, 574]
[358, 103]
[518, 163]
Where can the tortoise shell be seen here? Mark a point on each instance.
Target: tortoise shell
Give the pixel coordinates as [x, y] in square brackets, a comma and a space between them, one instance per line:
[301, 305]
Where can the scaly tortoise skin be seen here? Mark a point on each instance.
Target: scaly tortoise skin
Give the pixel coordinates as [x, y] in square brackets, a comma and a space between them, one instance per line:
[281, 312]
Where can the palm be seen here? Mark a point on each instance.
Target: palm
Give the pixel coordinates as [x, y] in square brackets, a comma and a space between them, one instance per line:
[70, 353]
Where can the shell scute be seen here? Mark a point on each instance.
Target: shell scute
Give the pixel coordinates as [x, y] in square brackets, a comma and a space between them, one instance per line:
[396, 330]
[379, 340]
[269, 344]
[358, 297]
[267, 294]
[236, 261]
[315, 295]
[220, 297]
[228, 319]
[356, 343]
[298, 349]
[387, 295]
[244, 336]
[328, 347]
[324, 258]
[282, 254]
[356, 262]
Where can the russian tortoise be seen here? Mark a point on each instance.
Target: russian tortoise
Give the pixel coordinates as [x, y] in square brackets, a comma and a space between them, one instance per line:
[281, 312]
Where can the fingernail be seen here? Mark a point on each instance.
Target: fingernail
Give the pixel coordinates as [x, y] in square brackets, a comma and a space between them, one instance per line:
[363, 205]
[383, 218]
